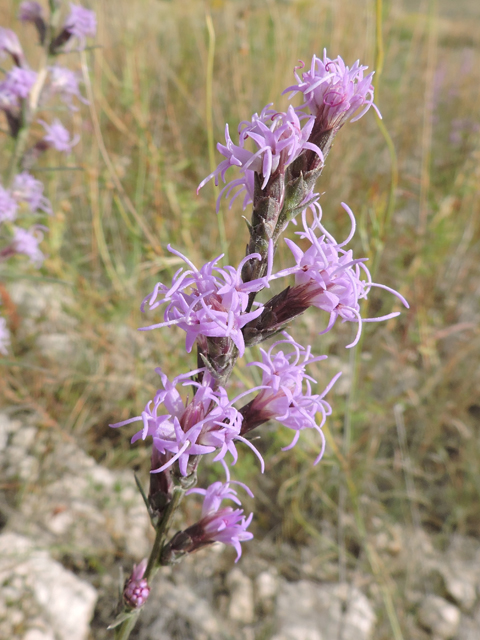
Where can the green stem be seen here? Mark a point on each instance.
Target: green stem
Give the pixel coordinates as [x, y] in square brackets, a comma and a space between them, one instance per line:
[123, 631]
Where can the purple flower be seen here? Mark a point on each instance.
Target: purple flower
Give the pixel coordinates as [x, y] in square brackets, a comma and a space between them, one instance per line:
[225, 524]
[4, 337]
[136, 590]
[27, 189]
[58, 137]
[333, 92]
[30, 11]
[9, 43]
[19, 82]
[80, 23]
[286, 395]
[26, 243]
[328, 277]
[206, 423]
[279, 138]
[65, 82]
[209, 302]
[8, 206]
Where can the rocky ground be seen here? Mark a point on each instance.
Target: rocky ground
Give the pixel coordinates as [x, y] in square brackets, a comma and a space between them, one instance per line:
[70, 524]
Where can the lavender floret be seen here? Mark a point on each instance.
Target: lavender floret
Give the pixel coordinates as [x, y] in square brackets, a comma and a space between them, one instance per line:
[10, 44]
[58, 136]
[65, 82]
[19, 82]
[26, 242]
[80, 24]
[27, 189]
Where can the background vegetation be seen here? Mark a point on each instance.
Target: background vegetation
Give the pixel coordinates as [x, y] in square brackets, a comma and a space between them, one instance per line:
[404, 440]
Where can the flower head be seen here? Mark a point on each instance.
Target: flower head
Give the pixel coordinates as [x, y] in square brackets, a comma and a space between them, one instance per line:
[27, 189]
[19, 82]
[9, 43]
[333, 92]
[206, 423]
[26, 242]
[8, 206]
[286, 393]
[58, 136]
[209, 302]
[80, 24]
[279, 138]
[65, 82]
[136, 590]
[328, 277]
[220, 524]
[30, 11]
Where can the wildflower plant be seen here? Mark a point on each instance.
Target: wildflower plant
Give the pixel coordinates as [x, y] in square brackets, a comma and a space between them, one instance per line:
[25, 94]
[276, 160]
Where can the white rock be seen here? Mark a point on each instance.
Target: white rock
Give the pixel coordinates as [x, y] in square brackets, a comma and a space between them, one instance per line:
[39, 634]
[266, 588]
[170, 605]
[323, 611]
[439, 616]
[299, 633]
[460, 568]
[241, 607]
[469, 628]
[60, 603]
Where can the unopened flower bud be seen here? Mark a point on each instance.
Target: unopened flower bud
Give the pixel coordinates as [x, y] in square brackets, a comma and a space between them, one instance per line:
[136, 590]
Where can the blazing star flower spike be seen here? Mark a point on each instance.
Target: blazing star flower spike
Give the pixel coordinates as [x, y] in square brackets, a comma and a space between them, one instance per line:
[334, 93]
[287, 395]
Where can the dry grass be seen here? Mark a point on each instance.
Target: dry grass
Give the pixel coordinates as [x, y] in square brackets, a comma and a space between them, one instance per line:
[413, 417]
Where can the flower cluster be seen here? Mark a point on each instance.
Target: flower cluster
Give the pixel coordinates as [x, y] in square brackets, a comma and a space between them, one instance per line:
[205, 424]
[279, 139]
[334, 93]
[210, 302]
[329, 278]
[218, 524]
[287, 395]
